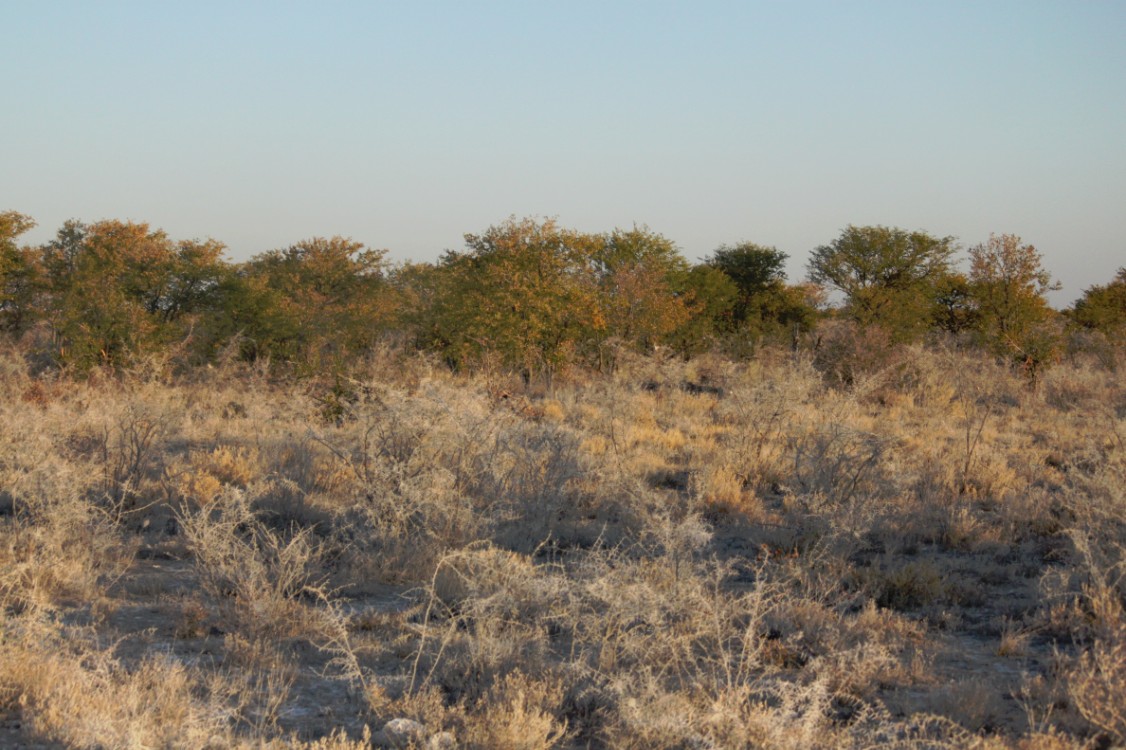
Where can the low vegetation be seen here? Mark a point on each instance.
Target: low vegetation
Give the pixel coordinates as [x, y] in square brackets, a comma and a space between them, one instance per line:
[558, 490]
[701, 553]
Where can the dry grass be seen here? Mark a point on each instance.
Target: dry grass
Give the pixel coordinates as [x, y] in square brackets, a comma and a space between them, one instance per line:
[777, 553]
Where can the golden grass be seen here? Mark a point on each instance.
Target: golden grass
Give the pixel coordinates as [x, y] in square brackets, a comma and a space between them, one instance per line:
[701, 554]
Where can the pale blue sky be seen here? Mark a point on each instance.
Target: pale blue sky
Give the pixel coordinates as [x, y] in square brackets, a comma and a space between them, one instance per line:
[407, 124]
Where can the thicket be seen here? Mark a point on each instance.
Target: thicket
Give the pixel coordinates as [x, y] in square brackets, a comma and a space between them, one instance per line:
[528, 296]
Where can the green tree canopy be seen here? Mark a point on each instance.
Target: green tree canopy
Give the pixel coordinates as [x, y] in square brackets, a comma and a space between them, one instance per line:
[755, 269]
[415, 288]
[641, 285]
[889, 276]
[525, 291]
[12, 225]
[19, 273]
[639, 246]
[319, 300]
[955, 309]
[764, 306]
[117, 289]
[1009, 287]
[1103, 308]
[711, 297]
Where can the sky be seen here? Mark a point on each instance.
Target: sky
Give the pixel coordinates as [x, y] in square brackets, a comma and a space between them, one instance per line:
[405, 125]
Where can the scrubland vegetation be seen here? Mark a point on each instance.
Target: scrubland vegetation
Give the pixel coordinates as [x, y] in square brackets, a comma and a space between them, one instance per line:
[558, 491]
[677, 554]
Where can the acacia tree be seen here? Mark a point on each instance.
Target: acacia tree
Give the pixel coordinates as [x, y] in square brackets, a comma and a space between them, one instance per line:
[1103, 308]
[19, 273]
[755, 269]
[955, 309]
[115, 289]
[1008, 285]
[415, 288]
[889, 276]
[641, 284]
[315, 303]
[524, 291]
[765, 305]
[711, 298]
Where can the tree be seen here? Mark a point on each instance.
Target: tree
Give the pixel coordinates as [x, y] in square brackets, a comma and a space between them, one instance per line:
[955, 310]
[105, 282]
[783, 312]
[12, 225]
[60, 255]
[639, 246]
[755, 269]
[641, 284]
[524, 291]
[765, 306]
[19, 273]
[711, 297]
[415, 288]
[113, 290]
[889, 276]
[315, 303]
[1008, 286]
[193, 277]
[1103, 308]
